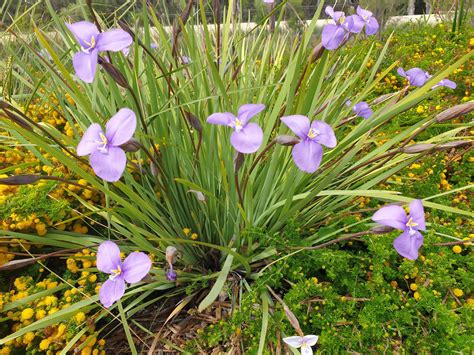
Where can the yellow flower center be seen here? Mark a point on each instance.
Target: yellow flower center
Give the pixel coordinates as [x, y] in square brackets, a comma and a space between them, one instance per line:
[104, 142]
[116, 272]
[238, 125]
[411, 224]
[91, 44]
[313, 133]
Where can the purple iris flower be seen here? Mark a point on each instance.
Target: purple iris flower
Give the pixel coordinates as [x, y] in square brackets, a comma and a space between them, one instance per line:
[415, 76]
[363, 109]
[133, 269]
[92, 42]
[247, 137]
[408, 243]
[307, 154]
[371, 23]
[447, 83]
[333, 35]
[106, 157]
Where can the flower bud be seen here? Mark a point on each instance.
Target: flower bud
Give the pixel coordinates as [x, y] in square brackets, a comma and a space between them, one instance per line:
[381, 230]
[455, 144]
[171, 254]
[193, 121]
[238, 161]
[131, 146]
[317, 52]
[287, 140]
[292, 318]
[20, 179]
[455, 111]
[114, 73]
[417, 148]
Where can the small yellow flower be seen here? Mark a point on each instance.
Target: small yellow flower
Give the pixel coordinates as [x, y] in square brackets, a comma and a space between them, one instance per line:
[44, 344]
[457, 249]
[458, 292]
[80, 317]
[413, 287]
[194, 236]
[416, 296]
[27, 313]
[186, 231]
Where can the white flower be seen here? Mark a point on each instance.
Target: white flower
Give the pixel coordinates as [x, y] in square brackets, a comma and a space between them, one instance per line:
[305, 343]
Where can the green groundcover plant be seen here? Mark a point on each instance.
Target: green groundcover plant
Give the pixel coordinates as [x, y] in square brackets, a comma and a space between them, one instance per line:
[148, 105]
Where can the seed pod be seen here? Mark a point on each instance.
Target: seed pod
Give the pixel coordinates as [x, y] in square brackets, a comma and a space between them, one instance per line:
[287, 140]
[454, 112]
[131, 146]
[114, 73]
[417, 148]
[20, 179]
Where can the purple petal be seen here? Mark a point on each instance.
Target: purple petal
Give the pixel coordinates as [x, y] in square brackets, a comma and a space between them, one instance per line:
[110, 165]
[83, 31]
[363, 109]
[307, 155]
[332, 36]
[90, 140]
[311, 340]
[363, 13]
[401, 72]
[111, 291]
[246, 112]
[353, 23]
[417, 214]
[248, 140]
[326, 135]
[329, 10]
[299, 124]
[417, 76]
[121, 127]
[371, 26]
[393, 216]
[135, 267]
[294, 341]
[171, 275]
[114, 40]
[108, 257]
[221, 118]
[447, 83]
[407, 245]
[85, 65]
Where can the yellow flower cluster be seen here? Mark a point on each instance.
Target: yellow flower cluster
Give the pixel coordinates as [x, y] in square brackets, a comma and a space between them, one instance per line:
[40, 222]
[53, 338]
[187, 233]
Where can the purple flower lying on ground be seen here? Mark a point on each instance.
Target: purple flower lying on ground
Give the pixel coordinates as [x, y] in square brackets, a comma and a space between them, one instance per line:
[303, 342]
[92, 42]
[447, 83]
[408, 243]
[133, 269]
[371, 23]
[415, 76]
[106, 157]
[362, 109]
[307, 154]
[247, 137]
